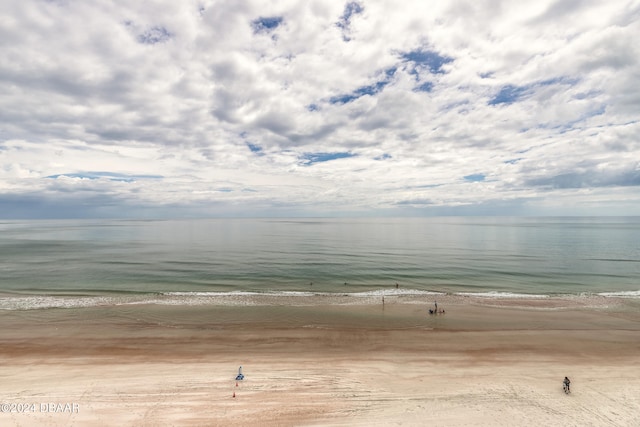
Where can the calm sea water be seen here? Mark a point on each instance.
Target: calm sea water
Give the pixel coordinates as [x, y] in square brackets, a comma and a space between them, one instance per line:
[536, 256]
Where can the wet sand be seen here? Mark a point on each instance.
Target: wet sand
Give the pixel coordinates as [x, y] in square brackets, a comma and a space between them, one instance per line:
[323, 362]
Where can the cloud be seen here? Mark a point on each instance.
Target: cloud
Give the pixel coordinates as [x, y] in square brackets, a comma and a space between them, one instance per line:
[319, 108]
[154, 35]
[591, 178]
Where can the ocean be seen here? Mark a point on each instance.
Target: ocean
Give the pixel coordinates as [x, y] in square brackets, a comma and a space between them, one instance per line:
[62, 263]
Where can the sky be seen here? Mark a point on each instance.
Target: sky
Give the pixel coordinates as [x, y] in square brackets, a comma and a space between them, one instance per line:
[163, 108]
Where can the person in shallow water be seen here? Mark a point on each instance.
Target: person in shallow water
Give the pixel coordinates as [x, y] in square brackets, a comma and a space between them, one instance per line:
[436, 311]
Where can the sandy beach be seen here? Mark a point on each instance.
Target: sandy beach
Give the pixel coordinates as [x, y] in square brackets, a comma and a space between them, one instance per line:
[486, 362]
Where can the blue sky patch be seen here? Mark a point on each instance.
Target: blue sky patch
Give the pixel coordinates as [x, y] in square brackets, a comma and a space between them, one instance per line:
[311, 158]
[476, 177]
[513, 161]
[424, 87]
[596, 111]
[385, 156]
[254, 148]
[111, 176]
[350, 9]
[266, 24]
[155, 35]
[557, 80]
[365, 90]
[428, 59]
[509, 94]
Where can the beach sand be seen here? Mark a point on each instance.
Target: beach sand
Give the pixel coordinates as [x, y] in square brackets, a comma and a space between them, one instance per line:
[486, 362]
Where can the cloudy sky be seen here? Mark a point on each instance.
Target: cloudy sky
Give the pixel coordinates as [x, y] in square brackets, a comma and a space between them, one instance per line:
[319, 108]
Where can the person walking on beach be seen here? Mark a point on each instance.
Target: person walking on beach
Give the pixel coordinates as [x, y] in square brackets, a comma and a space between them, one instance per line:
[565, 385]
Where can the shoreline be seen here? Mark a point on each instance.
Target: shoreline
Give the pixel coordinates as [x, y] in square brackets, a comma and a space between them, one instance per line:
[482, 363]
[28, 301]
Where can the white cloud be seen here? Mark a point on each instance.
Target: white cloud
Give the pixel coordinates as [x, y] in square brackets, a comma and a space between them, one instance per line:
[319, 108]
